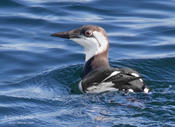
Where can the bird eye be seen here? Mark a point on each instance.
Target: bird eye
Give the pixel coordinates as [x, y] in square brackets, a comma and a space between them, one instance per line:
[88, 33]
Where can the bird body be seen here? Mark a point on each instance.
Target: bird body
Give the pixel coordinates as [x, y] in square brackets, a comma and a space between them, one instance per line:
[97, 75]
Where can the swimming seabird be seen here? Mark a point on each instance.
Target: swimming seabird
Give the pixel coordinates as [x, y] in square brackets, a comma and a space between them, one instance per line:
[97, 75]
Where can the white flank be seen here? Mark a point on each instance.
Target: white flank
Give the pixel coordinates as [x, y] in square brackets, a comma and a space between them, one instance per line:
[102, 87]
[112, 74]
[80, 86]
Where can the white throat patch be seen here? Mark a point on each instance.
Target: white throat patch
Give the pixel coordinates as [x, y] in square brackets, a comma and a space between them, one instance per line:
[92, 45]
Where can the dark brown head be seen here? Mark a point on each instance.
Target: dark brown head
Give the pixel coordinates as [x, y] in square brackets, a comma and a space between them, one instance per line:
[92, 38]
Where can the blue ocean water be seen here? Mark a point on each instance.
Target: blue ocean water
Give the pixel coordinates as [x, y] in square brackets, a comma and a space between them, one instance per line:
[39, 73]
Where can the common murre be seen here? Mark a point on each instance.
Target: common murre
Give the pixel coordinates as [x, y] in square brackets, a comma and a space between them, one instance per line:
[97, 75]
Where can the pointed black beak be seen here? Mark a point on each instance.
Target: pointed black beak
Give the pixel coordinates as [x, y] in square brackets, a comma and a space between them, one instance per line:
[61, 35]
[68, 35]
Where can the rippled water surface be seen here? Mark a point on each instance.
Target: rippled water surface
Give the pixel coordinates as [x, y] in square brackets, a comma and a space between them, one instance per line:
[39, 74]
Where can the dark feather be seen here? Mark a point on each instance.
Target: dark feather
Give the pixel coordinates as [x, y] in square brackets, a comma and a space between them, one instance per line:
[123, 80]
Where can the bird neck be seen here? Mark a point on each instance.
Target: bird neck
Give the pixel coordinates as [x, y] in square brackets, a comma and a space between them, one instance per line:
[97, 61]
[90, 52]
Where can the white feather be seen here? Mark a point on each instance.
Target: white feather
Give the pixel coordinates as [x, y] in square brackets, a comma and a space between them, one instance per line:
[80, 86]
[92, 46]
[102, 40]
[102, 87]
[146, 90]
[112, 74]
[141, 80]
[135, 74]
[130, 90]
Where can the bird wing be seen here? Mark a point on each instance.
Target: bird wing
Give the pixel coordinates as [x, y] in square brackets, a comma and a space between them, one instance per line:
[123, 78]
